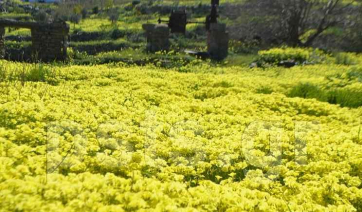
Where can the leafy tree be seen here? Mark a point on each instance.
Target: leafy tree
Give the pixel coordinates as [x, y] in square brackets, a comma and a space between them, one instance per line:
[84, 13]
[75, 19]
[297, 22]
[41, 16]
[77, 9]
[113, 15]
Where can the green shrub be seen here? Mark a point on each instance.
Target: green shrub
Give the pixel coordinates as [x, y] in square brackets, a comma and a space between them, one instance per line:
[34, 73]
[117, 33]
[39, 73]
[345, 98]
[243, 47]
[345, 59]
[306, 90]
[298, 55]
[95, 10]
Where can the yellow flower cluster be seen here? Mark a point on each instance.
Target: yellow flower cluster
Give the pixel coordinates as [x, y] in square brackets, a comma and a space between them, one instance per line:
[118, 138]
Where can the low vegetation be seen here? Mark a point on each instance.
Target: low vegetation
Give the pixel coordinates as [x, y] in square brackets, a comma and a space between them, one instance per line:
[276, 126]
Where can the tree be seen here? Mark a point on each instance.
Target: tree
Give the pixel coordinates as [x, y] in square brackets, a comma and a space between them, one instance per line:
[299, 22]
[113, 15]
[77, 9]
[41, 16]
[75, 19]
[84, 13]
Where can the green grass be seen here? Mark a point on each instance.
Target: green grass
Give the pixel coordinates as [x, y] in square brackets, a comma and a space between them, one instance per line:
[343, 97]
[240, 59]
[34, 73]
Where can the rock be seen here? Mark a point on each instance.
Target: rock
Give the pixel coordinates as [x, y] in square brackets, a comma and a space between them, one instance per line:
[253, 65]
[201, 55]
[287, 63]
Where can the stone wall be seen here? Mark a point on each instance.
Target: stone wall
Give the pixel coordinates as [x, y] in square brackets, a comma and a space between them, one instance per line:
[157, 37]
[49, 43]
[49, 40]
[2, 42]
[218, 41]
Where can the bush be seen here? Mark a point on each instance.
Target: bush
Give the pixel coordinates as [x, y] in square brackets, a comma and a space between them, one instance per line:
[297, 55]
[307, 90]
[37, 74]
[41, 16]
[75, 19]
[95, 10]
[244, 47]
[34, 73]
[135, 2]
[117, 33]
[345, 98]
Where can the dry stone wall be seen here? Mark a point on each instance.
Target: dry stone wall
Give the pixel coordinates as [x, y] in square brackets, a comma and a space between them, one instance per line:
[49, 43]
[49, 40]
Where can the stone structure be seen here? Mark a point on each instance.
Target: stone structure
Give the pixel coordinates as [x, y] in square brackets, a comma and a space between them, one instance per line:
[157, 37]
[178, 21]
[49, 40]
[2, 42]
[218, 41]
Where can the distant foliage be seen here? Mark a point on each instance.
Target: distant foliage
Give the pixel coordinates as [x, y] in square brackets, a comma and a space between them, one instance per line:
[41, 16]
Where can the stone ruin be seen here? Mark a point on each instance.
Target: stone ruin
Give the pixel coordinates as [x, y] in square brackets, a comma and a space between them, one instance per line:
[217, 37]
[2, 42]
[49, 40]
[157, 37]
[217, 41]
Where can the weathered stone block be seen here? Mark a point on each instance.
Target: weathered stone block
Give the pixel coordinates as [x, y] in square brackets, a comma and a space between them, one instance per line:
[49, 45]
[148, 27]
[218, 27]
[48, 40]
[218, 41]
[157, 37]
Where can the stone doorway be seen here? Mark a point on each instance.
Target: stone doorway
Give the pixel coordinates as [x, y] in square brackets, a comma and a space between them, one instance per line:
[49, 40]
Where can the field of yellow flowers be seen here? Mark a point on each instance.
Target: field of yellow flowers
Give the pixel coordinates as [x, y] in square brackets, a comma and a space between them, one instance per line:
[195, 138]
